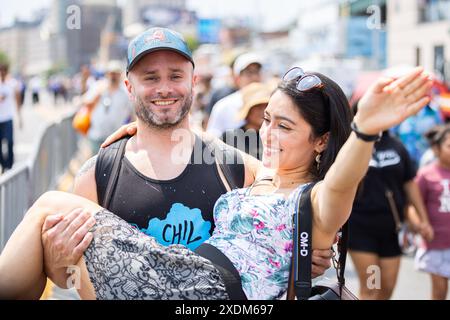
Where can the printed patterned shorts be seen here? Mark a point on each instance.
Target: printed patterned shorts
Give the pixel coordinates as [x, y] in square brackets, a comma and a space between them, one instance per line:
[124, 263]
[433, 261]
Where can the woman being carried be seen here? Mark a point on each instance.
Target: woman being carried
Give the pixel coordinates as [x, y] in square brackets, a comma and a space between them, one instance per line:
[306, 123]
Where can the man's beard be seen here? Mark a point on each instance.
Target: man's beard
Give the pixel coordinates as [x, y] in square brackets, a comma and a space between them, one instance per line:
[146, 115]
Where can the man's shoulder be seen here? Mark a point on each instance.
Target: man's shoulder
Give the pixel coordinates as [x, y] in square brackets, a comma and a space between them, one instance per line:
[108, 154]
[88, 166]
[85, 183]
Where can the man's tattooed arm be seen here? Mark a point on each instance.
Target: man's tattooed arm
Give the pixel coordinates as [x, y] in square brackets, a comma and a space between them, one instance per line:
[88, 165]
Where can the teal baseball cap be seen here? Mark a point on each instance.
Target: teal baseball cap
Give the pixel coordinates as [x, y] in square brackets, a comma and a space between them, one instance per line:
[155, 39]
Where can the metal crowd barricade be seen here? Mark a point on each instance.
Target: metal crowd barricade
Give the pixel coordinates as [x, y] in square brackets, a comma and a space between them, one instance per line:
[22, 185]
[14, 185]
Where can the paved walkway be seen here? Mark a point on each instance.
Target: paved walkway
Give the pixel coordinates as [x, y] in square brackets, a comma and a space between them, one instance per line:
[411, 284]
[35, 119]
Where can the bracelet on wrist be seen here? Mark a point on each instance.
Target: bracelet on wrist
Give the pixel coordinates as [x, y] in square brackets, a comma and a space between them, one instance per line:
[363, 136]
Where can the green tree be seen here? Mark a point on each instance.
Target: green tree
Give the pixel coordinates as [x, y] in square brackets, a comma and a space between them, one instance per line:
[192, 42]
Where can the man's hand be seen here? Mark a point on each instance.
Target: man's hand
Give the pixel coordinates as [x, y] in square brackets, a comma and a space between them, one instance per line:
[64, 240]
[321, 261]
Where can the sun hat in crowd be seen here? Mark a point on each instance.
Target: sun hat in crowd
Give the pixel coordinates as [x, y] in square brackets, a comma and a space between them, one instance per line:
[254, 94]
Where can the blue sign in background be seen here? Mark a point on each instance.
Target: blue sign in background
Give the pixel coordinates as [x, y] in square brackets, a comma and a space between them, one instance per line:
[209, 30]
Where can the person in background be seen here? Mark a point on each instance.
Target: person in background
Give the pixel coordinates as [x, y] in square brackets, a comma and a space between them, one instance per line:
[226, 88]
[83, 81]
[36, 87]
[22, 86]
[9, 104]
[255, 97]
[433, 180]
[430, 155]
[202, 96]
[111, 106]
[412, 131]
[373, 239]
[247, 69]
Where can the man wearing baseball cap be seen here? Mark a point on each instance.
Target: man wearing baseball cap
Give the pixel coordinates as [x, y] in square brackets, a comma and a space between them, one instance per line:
[153, 179]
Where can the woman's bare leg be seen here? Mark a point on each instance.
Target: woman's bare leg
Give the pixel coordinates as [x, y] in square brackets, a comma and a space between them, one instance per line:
[363, 262]
[439, 287]
[21, 261]
[390, 268]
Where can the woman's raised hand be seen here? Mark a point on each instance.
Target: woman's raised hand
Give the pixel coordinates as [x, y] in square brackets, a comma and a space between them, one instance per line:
[125, 130]
[390, 101]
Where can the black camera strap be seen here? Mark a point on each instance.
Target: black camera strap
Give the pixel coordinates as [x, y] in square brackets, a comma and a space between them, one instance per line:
[302, 245]
[302, 252]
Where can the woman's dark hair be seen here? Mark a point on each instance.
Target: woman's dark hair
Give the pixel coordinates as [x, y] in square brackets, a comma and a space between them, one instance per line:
[437, 135]
[431, 134]
[325, 109]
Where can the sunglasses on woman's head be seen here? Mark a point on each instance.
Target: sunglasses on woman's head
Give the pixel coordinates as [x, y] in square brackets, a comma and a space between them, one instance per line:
[305, 81]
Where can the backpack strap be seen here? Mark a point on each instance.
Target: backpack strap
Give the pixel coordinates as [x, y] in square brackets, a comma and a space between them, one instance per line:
[107, 168]
[229, 160]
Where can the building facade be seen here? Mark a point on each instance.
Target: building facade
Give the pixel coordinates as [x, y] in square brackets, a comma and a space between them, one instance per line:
[27, 46]
[419, 34]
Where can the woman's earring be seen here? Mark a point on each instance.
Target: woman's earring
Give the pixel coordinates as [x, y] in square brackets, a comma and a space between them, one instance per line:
[318, 161]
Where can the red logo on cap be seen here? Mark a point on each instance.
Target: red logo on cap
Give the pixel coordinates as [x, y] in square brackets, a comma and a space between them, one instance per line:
[157, 35]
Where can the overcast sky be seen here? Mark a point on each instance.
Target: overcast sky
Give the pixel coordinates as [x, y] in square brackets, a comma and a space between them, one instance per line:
[20, 8]
[270, 12]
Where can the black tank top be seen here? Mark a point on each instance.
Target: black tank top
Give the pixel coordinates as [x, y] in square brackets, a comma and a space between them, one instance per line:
[177, 211]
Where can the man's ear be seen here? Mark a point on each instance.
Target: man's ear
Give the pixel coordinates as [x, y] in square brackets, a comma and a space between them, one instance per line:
[195, 80]
[322, 143]
[129, 87]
